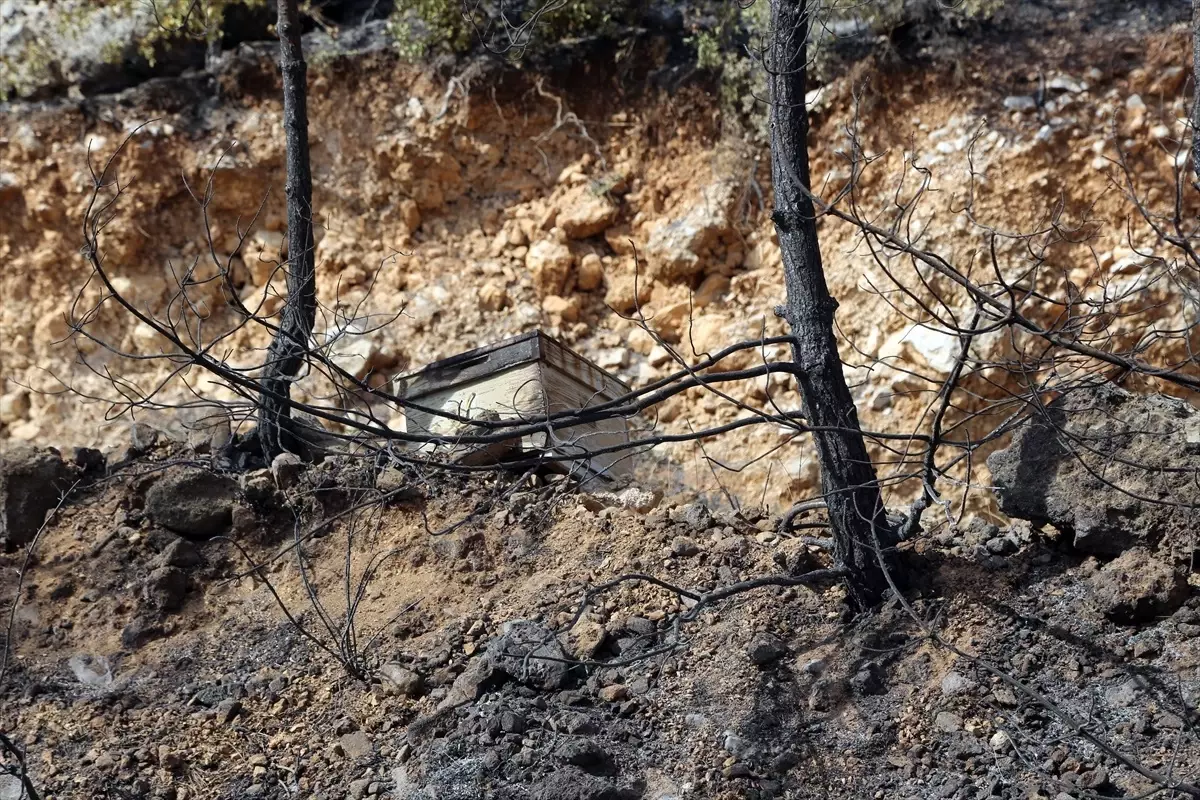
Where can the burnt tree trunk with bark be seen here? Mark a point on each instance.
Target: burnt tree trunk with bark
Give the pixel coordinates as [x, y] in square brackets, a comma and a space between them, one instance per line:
[1196, 89]
[287, 351]
[848, 481]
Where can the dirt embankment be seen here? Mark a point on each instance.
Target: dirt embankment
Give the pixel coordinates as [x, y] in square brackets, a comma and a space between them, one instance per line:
[487, 204]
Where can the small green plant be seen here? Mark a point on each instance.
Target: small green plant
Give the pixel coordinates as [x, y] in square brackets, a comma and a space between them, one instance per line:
[35, 56]
[708, 50]
[421, 27]
[733, 45]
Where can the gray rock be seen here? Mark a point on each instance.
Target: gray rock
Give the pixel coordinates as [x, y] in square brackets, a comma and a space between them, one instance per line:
[683, 547]
[258, 486]
[468, 686]
[1136, 587]
[815, 667]
[1020, 102]
[139, 631]
[228, 710]
[677, 248]
[243, 519]
[825, 694]
[869, 679]
[764, 649]
[192, 502]
[572, 783]
[737, 747]
[512, 722]
[142, 438]
[31, 483]
[697, 517]
[356, 745]
[640, 626]
[400, 680]
[955, 683]
[166, 588]
[528, 652]
[179, 553]
[286, 469]
[92, 671]
[1147, 647]
[1128, 451]
[11, 788]
[948, 722]
[582, 753]
[1000, 545]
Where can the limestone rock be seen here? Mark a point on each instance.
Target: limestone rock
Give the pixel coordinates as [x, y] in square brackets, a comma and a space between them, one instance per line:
[590, 275]
[410, 212]
[677, 249]
[561, 309]
[493, 296]
[263, 255]
[710, 289]
[586, 639]
[14, 406]
[634, 498]
[583, 212]
[549, 263]
[627, 291]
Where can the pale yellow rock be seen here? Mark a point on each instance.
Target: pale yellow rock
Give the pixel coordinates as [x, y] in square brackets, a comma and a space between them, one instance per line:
[493, 296]
[561, 309]
[584, 213]
[549, 263]
[620, 295]
[590, 275]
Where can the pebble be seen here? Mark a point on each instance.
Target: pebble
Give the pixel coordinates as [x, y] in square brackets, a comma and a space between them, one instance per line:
[614, 693]
[954, 683]
[683, 547]
[764, 649]
[948, 722]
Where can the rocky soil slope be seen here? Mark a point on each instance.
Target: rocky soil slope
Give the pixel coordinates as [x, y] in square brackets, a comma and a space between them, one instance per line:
[149, 661]
[482, 201]
[146, 659]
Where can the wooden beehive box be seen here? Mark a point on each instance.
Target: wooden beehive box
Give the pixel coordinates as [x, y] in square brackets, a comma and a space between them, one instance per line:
[524, 378]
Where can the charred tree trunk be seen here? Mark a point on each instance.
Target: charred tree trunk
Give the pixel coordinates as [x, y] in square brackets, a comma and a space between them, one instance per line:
[287, 351]
[848, 480]
[1196, 89]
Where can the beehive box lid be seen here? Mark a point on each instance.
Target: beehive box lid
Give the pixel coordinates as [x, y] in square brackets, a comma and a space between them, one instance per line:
[499, 356]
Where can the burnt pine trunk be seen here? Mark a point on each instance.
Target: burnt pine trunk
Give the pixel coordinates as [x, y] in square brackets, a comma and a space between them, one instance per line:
[848, 481]
[1196, 89]
[286, 354]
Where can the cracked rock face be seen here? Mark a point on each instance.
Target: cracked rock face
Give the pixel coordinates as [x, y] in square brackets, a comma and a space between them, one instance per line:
[1115, 469]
